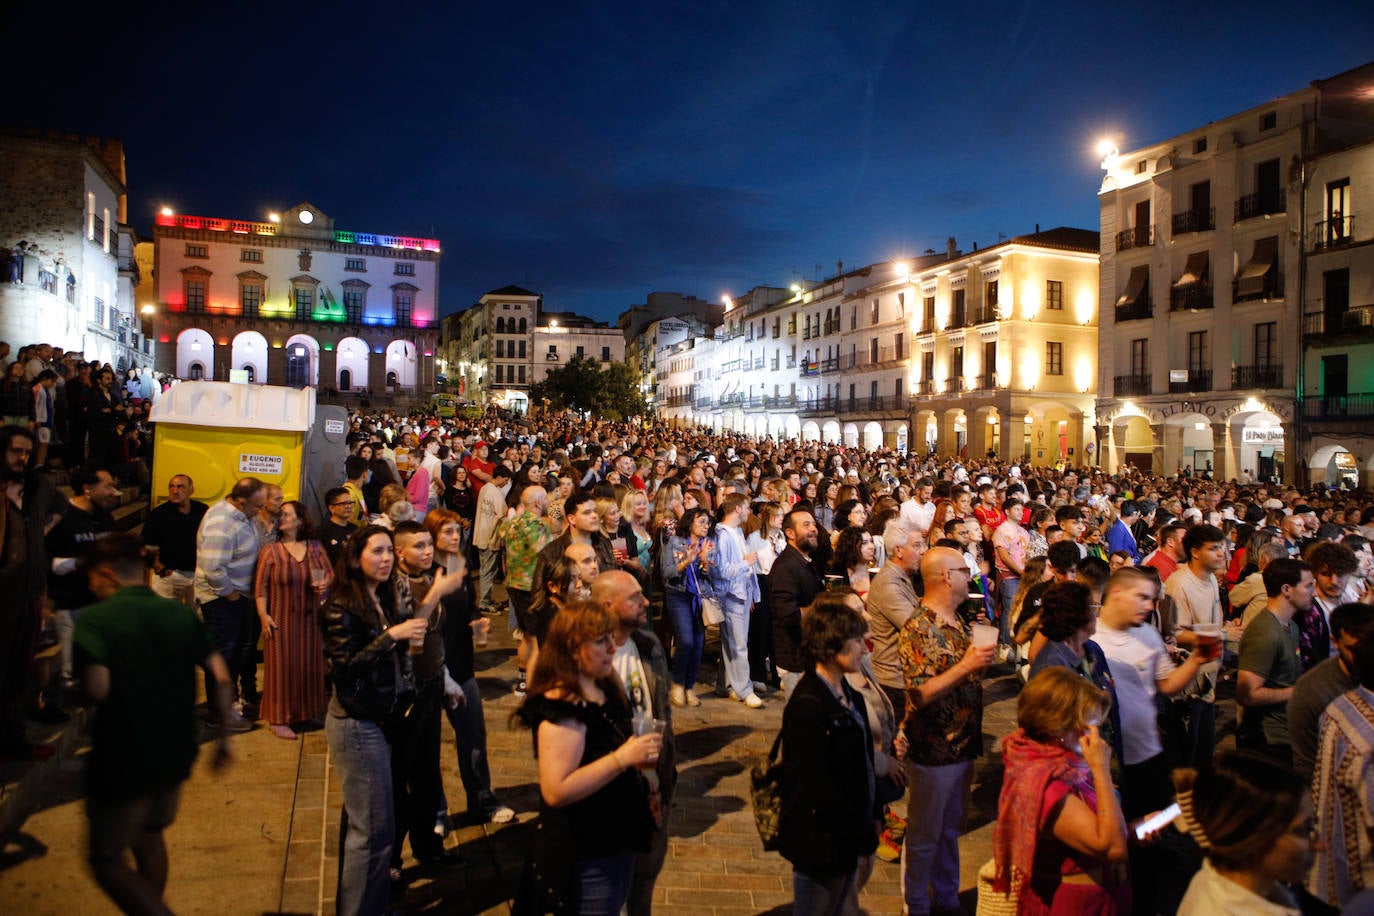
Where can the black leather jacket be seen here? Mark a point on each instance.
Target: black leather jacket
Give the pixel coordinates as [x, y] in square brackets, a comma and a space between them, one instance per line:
[370, 671]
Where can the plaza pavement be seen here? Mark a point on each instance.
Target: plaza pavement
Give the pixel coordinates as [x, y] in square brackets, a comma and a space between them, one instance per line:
[262, 837]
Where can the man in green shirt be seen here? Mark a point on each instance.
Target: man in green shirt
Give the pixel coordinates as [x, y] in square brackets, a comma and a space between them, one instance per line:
[137, 654]
[1269, 661]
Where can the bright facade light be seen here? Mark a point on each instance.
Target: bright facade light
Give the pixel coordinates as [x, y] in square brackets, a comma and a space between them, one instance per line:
[167, 211]
[274, 217]
[148, 310]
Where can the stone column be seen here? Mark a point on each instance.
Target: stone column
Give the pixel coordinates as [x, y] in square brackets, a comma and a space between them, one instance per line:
[1223, 464]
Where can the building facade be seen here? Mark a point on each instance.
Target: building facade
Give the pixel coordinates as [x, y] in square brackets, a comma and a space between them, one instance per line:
[69, 261]
[953, 354]
[292, 300]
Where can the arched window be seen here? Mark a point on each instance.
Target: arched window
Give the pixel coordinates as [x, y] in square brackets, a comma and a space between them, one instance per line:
[522, 325]
[500, 325]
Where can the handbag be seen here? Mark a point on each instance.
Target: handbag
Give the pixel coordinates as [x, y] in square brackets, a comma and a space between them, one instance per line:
[712, 614]
[992, 902]
[765, 790]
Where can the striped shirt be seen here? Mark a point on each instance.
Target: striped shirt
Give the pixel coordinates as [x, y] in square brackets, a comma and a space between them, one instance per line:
[1343, 780]
[226, 553]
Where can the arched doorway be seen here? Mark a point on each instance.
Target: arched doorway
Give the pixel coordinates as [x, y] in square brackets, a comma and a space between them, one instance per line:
[873, 436]
[345, 379]
[302, 361]
[402, 361]
[830, 432]
[1134, 441]
[1334, 466]
[249, 353]
[850, 435]
[350, 362]
[195, 350]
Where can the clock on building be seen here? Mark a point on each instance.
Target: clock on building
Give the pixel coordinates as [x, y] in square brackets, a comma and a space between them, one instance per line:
[306, 217]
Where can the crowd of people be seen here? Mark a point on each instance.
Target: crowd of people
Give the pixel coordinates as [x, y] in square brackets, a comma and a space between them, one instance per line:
[871, 592]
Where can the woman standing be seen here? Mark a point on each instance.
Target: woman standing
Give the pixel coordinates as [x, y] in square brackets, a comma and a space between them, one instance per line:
[594, 811]
[830, 816]
[684, 576]
[634, 528]
[293, 572]
[854, 552]
[462, 499]
[368, 625]
[1060, 836]
[1254, 819]
[766, 541]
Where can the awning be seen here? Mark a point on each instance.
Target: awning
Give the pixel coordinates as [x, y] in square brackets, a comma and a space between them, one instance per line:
[1250, 282]
[1136, 286]
[1195, 271]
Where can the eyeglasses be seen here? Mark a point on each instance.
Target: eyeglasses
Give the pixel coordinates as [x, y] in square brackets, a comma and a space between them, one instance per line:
[347, 502]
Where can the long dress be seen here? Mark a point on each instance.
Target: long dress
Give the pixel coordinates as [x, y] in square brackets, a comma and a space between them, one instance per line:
[293, 676]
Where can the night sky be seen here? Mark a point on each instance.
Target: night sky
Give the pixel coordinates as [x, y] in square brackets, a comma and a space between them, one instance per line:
[595, 152]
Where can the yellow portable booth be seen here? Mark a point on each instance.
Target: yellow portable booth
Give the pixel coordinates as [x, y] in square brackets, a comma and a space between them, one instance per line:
[219, 432]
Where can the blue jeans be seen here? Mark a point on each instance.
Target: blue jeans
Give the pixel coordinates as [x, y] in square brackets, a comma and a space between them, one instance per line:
[470, 733]
[830, 896]
[930, 853]
[689, 636]
[487, 576]
[603, 884]
[734, 646]
[367, 830]
[1007, 587]
[227, 622]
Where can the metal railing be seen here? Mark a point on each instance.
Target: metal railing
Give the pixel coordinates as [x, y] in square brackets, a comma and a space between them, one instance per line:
[986, 314]
[791, 362]
[1135, 237]
[1197, 380]
[1338, 407]
[1194, 221]
[830, 364]
[925, 386]
[1127, 385]
[1190, 298]
[1135, 311]
[1333, 232]
[1261, 203]
[1263, 376]
[1271, 289]
[1358, 321]
[985, 382]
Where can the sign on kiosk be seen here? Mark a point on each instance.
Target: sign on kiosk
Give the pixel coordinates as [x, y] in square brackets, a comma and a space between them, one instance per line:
[219, 432]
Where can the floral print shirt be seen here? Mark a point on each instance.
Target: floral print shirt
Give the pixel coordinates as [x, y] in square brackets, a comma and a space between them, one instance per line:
[523, 536]
[950, 730]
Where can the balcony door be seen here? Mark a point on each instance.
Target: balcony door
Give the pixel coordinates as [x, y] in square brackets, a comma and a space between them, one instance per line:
[1267, 185]
[1202, 202]
[1336, 299]
[1335, 383]
[1142, 222]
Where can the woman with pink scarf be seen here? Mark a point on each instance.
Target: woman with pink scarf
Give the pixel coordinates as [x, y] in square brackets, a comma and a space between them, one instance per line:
[1060, 838]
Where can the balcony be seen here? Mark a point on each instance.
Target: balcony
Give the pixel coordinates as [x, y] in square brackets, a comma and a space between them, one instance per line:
[1137, 237]
[1262, 203]
[832, 327]
[1194, 221]
[985, 382]
[1131, 385]
[759, 363]
[773, 364]
[1339, 407]
[1191, 297]
[734, 365]
[832, 364]
[1358, 321]
[878, 403]
[778, 401]
[1197, 380]
[703, 404]
[1271, 288]
[792, 327]
[954, 385]
[810, 369]
[958, 318]
[1333, 233]
[925, 386]
[1267, 376]
[806, 334]
[791, 362]
[987, 314]
[816, 406]
[1136, 311]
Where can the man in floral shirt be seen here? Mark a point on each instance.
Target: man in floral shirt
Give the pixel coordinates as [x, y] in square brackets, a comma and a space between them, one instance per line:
[944, 725]
[524, 535]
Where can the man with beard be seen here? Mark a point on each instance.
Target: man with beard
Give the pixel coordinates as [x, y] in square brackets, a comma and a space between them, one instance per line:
[86, 521]
[793, 583]
[30, 507]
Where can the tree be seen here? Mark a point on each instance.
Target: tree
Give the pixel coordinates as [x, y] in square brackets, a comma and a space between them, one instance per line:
[618, 397]
[570, 386]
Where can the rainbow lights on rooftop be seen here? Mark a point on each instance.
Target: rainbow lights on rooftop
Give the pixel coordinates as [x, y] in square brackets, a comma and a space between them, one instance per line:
[250, 227]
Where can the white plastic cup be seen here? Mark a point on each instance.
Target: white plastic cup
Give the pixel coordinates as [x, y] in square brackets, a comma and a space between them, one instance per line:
[984, 635]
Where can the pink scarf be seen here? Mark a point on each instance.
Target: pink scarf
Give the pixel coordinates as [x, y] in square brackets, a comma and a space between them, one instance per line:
[1030, 767]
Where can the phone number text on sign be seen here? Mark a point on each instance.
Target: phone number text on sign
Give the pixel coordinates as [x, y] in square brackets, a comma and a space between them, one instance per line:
[271, 465]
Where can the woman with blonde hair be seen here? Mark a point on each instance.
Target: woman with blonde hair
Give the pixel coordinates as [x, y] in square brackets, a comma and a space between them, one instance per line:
[1060, 839]
[594, 806]
[634, 528]
[395, 506]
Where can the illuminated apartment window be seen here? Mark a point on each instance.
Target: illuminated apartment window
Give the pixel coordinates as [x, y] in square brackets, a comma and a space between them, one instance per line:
[1054, 358]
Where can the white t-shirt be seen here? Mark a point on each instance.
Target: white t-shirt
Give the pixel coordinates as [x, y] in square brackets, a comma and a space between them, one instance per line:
[1198, 601]
[630, 667]
[1138, 661]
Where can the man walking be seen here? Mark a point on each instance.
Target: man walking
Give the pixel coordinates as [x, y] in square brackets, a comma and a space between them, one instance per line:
[491, 509]
[137, 654]
[944, 725]
[226, 557]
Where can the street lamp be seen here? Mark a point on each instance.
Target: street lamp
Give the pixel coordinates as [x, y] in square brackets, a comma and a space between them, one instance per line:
[1109, 153]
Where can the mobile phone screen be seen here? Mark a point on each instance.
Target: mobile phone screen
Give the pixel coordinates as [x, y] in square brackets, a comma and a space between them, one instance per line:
[1151, 824]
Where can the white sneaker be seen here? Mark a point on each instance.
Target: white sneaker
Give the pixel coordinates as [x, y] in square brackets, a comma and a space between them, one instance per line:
[692, 699]
[753, 702]
[502, 815]
[677, 695]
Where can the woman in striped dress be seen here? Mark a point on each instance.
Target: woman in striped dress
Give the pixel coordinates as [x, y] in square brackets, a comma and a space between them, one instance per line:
[293, 574]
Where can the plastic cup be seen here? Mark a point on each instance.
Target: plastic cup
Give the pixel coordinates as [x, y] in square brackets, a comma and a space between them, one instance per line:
[1208, 639]
[984, 635]
[480, 631]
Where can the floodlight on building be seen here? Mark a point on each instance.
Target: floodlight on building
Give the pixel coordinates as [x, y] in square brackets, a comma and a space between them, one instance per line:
[167, 211]
[274, 217]
[1108, 151]
[148, 310]
[796, 288]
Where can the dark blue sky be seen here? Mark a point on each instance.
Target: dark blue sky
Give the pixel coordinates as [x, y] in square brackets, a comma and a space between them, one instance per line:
[597, 151]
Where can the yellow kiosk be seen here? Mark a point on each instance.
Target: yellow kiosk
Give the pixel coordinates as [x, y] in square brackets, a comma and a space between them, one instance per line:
[219, 432]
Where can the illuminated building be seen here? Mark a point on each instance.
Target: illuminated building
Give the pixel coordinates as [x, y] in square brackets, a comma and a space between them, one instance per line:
[65, 199]
[295, 301]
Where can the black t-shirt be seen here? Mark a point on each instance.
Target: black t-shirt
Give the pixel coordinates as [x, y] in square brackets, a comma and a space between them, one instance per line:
[332, 536]
[458, 648]
[173, 532]
[72, 536]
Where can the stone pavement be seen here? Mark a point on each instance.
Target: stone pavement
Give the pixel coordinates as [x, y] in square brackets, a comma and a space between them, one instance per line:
[262, 837]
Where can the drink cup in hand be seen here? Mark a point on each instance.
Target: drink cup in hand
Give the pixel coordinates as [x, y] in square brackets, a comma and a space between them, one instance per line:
[480, 631]
[984, 635]
[1208, 640]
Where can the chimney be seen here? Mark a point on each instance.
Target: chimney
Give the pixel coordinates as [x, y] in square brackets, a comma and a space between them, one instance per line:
[839, 268]
[951, 249]
[1037, 228]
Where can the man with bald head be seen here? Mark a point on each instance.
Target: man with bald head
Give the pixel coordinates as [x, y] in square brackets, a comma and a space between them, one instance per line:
[643, 668]
[944, 725]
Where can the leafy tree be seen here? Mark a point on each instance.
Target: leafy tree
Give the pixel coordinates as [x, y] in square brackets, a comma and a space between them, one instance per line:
[619, 397]
[582, 384]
